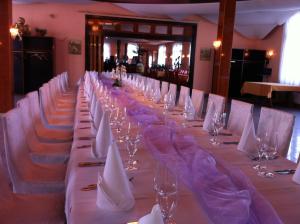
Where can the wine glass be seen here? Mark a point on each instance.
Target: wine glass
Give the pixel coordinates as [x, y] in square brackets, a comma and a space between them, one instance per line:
[133, 139]
[263, 155]
[166, 187]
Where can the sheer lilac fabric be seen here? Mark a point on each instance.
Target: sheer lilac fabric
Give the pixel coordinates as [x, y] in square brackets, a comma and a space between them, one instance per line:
[225, 193]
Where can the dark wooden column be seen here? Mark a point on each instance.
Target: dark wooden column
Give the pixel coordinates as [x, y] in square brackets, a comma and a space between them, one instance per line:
[6, 73]
[222, 56]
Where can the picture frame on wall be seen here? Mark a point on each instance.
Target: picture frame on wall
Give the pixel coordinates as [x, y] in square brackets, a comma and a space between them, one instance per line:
[74, 47]
[205, 54]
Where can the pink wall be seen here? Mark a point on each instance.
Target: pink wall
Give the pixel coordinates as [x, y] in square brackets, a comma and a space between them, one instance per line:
[67, 22]
[64, 22]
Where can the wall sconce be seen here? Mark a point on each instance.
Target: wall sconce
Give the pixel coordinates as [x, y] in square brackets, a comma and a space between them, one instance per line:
[217, 44]
[14, 32]
[188, 56]
[270, 54]
[183, 56]
[95, 28]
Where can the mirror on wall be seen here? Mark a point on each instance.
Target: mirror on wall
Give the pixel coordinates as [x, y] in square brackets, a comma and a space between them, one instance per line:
[158, 49]
[160, 59]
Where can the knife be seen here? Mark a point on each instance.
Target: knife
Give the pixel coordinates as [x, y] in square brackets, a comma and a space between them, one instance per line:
[286, 171]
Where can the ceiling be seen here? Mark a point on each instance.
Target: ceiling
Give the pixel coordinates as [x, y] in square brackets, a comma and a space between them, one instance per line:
[254, 18]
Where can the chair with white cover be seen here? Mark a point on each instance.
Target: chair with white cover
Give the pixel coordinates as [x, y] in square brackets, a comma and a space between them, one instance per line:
[27, 209]
[156, 84]
[278, 125]
[42, 128]
[164, 88]
[198, 101]
[49, 113]
[173, 89]
[239, 113]
[26, 176]
[219, 102]
[41, 151]
[184, 91]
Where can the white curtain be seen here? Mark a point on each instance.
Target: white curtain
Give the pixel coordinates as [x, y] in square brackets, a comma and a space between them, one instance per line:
[161, 59]
[176, 52]
[132, 50]
[290, 62]
[106, 51]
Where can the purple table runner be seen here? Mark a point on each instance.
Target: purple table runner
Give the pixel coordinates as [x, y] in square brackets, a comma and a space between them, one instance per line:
[223, 191]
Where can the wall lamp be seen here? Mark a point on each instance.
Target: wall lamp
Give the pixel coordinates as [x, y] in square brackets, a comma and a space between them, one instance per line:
[217, 44]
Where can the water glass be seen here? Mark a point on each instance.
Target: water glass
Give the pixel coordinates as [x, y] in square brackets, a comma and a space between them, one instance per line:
[166, 188]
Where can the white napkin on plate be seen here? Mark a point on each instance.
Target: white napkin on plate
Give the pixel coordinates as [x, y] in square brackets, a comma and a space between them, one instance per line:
[113, 189]
[296, 176]
[189, 109]
[248, 142]
[209, 117]
[103, 138]
[97, 118]
[155, 217]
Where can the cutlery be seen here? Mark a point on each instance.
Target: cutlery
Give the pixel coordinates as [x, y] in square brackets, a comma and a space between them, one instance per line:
[85, 138]
[91, 187]
[84, 128]
[230, 143]
[83, 146]
[284, 172]
[200, 126]
[89, 164]
[85, 121]
[225, 134]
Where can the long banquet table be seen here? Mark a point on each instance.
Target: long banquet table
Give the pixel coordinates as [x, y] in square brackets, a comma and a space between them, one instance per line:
[280, 191]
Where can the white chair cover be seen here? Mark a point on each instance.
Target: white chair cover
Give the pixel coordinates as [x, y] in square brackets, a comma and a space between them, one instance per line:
[44, 131]
[27, 209]
[164, 88]
[26, 176]
[40, 151]
[198, 100]
[173, 90]
[239, 113]
[277, 124]
[219, 103]
[184, 91]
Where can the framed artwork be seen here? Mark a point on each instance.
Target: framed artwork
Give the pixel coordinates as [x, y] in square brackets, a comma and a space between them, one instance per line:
[205, 54]
[74, 47]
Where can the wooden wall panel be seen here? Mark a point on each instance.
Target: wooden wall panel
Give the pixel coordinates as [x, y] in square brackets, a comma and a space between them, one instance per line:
[6, 74]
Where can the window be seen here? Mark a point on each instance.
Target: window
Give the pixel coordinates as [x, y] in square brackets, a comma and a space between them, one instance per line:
[176, 55]
[150, 61]
[289, 68]
[106, 51]
[132, 50]
[161, 59]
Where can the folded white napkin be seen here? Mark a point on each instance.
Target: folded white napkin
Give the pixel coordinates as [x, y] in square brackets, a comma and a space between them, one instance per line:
[155, 217]
[97, 118]
[103, 138]
[296, 176]
[189, 109]
[248, 142]
[209, 117]
[113, 189]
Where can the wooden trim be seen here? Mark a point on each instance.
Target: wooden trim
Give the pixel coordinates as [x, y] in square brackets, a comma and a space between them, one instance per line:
[6, 71]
